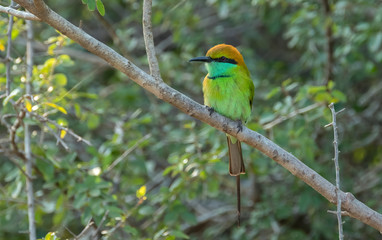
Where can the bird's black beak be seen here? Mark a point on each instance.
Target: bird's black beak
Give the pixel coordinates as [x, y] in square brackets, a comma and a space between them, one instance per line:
[201, 59]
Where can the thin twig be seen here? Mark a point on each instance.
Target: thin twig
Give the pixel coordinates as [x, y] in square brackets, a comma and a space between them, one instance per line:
[102, 221]
[70, 132]
[127, 152]
[59, 140]
[343, 213]
[291, 115]
[19, 14]
[337, 168]
[27, 136]
[149, 41]
[87, 232]
[10, 155]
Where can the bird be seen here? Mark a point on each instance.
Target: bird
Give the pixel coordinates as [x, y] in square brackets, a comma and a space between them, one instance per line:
[229, 90]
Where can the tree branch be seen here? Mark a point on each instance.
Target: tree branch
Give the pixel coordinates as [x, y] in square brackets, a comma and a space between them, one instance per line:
[149, 40]
[337, 168]
[27, 135]
[355, 208]
[19, 14]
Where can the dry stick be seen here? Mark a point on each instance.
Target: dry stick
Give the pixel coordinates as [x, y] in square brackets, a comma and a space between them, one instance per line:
[149, 40]
[355, 208]
[27, 136]
[335, 144]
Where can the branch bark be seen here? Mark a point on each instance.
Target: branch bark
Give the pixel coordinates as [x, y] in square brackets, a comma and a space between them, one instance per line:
[27, 136]
[337, 168]
[149, 40]
[354, 207]
[19, 14]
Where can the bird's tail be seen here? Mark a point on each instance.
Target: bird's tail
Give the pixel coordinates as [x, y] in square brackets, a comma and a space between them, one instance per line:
[236, 163]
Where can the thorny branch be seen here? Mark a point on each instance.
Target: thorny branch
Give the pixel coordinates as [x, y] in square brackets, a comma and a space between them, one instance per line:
[355, 208]
[337, 167]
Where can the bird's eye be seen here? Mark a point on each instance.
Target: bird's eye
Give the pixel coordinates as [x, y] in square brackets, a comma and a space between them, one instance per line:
[223, 59]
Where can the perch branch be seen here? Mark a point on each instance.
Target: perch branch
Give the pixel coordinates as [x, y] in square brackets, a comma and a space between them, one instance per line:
[162, 91]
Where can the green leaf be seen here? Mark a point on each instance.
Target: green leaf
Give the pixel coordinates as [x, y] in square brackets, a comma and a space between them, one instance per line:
[273, 92]
[93, 121]
[100, 7]
[129, 229]
[179, 234]
[85, 1]
[91, 5]
[60, 79]
[316, 89]
[339, 95]
[80, 200]
[10, 96]
[46, 169]
[146, 210]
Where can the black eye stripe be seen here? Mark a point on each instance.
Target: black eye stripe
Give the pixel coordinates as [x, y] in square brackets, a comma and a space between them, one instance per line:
[224, 59]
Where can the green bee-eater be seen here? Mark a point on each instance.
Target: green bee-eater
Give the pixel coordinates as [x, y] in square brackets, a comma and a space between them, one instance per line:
[228, 90]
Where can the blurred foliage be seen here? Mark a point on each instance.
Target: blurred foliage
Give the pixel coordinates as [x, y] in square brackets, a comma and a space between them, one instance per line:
[153, 172]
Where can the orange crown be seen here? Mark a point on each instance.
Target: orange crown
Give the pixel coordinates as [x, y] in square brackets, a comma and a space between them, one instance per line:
[227, 51]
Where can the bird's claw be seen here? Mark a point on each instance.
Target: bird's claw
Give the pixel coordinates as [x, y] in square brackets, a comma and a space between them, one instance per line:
[211, 110]
[239, 126]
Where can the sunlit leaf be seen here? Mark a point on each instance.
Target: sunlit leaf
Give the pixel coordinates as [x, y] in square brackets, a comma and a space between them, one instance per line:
[60, 79]
[10, 96]
[141, 192]
[59, 108]
[62, 134]
[28, 105]
[100, 7]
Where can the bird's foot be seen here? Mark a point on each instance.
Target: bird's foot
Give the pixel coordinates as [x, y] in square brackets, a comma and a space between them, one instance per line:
[211, 110]
[239, 126]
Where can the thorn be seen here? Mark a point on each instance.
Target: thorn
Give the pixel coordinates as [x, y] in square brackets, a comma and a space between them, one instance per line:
[340, 111]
